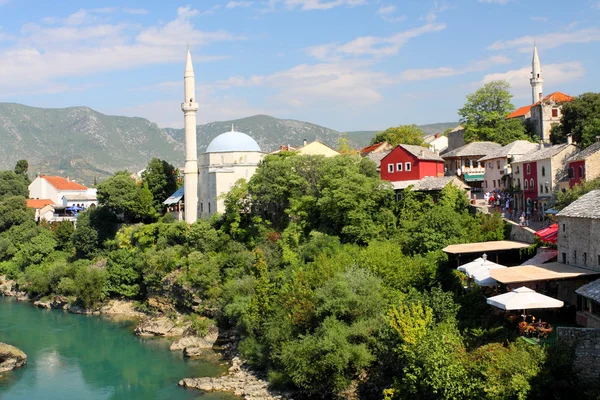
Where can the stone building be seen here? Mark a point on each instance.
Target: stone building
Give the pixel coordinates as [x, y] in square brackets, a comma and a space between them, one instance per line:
[497, 164]
[464, 161]
[579, 232]
[456, 139]
[584, 165]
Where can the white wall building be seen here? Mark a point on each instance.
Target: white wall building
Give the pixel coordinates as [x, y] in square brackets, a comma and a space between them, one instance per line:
[231, 156]
[497, 164]
[62, 191]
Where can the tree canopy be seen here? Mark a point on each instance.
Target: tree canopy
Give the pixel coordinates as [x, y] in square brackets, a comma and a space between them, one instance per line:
[161, 178]
[121, 195]
[403, 134]
[581, 118]
[484, 115]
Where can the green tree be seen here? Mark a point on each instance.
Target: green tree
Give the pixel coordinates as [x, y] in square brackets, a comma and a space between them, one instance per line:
[403, 134]
[563, 199]
[63, 234]
[581, 118]
[21, 167]
[484, 115]
[161, 178]
[122, 196]
[12, 184]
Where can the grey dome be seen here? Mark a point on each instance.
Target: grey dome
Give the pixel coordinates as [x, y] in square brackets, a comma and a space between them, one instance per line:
[232, 141]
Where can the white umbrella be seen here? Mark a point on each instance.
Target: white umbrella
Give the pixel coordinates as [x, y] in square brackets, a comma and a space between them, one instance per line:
[484, 278]
[477, 265]
[523, 298]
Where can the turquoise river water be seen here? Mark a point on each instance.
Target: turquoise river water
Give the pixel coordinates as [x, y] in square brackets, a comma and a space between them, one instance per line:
[92, 357]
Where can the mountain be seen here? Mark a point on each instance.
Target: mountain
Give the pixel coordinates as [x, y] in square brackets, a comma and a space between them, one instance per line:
[269, 132]
[86, 145]
[363, 138]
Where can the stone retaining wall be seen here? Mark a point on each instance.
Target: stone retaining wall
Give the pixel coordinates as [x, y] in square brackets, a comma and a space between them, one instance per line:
[520, 233]
[587, 350]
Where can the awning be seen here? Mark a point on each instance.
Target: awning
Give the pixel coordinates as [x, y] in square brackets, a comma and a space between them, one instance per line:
[484, 247]
[473, 177]
[549, 234]
[477, 266]
[175, 197]
[524, 298]
[543, 272]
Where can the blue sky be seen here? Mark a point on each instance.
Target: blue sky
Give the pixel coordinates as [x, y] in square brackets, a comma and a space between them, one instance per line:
[344, 64]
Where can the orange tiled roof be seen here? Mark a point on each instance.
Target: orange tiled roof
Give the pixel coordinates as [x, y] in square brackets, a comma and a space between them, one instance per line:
[61, 183]
[519, 112]
[370, 148]
[38, 203]
[558, 97]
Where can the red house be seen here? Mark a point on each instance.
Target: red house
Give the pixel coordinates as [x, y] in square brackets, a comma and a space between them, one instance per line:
[584, 165]
[407, 162]
[530, 185]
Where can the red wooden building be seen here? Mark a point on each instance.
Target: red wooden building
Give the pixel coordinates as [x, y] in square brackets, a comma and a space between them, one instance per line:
[584, 165]
[407, 162]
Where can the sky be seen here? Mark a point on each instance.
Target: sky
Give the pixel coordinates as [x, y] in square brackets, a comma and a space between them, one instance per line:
[344, 64]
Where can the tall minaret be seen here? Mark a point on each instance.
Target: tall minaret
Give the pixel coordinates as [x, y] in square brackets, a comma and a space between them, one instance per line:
[189, 108]
[536, 77]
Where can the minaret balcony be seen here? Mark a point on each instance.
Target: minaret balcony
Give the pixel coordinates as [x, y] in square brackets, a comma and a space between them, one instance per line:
[191, 106]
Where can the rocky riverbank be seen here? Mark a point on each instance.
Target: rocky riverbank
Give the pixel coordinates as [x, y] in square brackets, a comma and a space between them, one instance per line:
[11, 357]
[240, 380]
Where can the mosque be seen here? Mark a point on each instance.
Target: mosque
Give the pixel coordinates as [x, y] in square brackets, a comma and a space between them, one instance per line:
[229, 157]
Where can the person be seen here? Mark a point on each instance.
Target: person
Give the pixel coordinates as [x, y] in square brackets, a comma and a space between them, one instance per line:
[522, 219]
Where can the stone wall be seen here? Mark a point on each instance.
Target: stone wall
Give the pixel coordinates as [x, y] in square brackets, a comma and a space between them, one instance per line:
[520, 233]
[456, 139]
[587, 350]
[578, 241]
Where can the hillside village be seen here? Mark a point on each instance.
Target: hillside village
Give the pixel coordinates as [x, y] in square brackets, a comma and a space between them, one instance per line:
[509, 197]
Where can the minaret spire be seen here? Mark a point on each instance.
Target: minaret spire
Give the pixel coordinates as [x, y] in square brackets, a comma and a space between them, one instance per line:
[189, 108]
[536, 77]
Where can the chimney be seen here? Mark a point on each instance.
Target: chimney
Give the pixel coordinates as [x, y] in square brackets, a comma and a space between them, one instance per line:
[421, 153]
[570, 139]
[68, 179]
[598, 139]
[541, 146]
[437, 135]
[304, 142]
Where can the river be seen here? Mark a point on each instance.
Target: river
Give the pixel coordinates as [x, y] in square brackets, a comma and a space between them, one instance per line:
[93, 358]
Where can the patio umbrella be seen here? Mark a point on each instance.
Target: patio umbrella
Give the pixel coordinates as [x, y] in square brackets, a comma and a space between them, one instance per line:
[479, 264]
[484, 278]
[551, 211]
[523, 298]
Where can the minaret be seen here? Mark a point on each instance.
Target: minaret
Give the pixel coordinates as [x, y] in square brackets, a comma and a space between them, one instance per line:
[536, 77]
[189, 108]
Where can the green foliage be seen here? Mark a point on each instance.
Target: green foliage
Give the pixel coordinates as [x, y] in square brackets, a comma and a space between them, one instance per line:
[13, 184]
[123, 273]
[63, 233]
[13, 212]
[21, 168]
[123, 197]
[563, 199]
[483, 116]
[161, 179]
[581, 118]
[89, 286]
[403, 134]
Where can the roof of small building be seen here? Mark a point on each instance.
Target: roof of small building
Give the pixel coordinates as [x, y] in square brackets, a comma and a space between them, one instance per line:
[587, 206]
[518, 147]
[366, 150]
[557, 97]
[474, 149]
[430, 183]
[422, 153]
[377, 157]
[61, 183]
[590, 290]
[544, 153]
[520, 112]
[585, 153]
[38, 203]
[80, 197]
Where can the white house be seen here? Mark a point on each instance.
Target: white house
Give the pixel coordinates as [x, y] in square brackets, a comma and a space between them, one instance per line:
[62, 191]
[497, 163]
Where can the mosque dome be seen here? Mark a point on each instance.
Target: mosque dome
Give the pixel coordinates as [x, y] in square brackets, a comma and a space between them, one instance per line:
[232, 141]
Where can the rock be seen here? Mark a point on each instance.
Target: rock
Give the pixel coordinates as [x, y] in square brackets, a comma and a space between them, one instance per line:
[202, 342]
[159, 326]
[11, 357]
[193, 352]
[57, 302]
[123, 308]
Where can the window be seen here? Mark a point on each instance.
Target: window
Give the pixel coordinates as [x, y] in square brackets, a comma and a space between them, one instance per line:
[564, 258]
[580, 171]
[467, 163]
[528, 168]
[209, 206]
[541, 188]
[519, 182]
[598, 259]
[526, 184]
[494, 183]
[531, 184]
[574, 256]
[584, 258]
[555, 112]
[543, 171]
[564, 228]
[399, 167]
[518, 171]
[546, 187]
[407, 166]
[571, 173]
[498, 164]
[390, 168]
[201, 207]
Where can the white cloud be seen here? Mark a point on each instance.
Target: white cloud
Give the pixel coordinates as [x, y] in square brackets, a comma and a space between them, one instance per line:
[387, 13]
[136, 11]
[307, 5]
[548, 40]
[444, 72]
[371, 46]
[236, 4]
[501, 2]
[539, 19]
[210, 11]
[557, 74]
[43, 55]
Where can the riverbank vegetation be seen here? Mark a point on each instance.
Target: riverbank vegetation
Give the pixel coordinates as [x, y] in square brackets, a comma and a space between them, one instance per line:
[331, 286]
